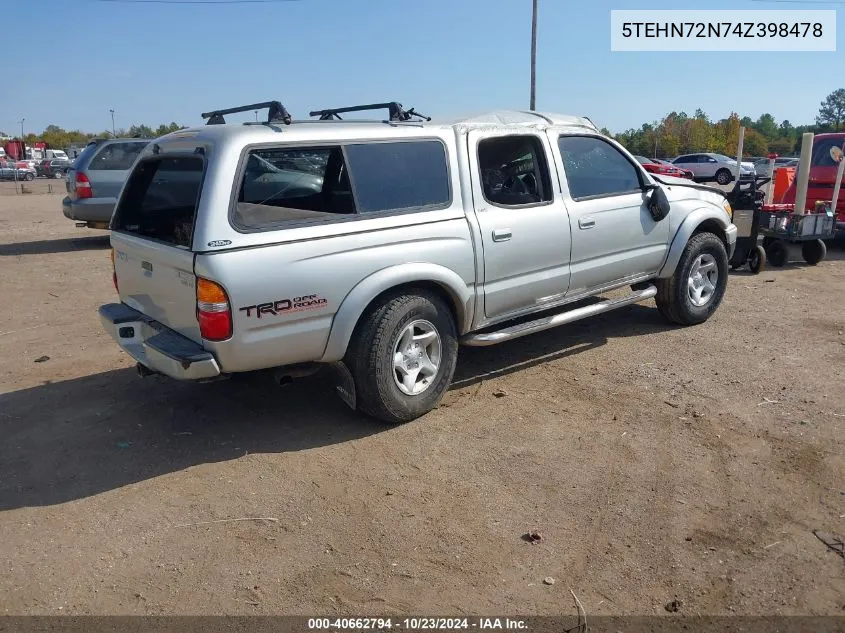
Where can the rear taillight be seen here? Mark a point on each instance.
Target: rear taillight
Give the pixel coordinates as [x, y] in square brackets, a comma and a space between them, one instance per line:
[114, 273]
[83, 186]
[213, 311]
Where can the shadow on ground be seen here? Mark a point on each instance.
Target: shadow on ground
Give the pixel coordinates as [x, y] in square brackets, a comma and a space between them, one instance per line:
[46, 247]
[77, 438]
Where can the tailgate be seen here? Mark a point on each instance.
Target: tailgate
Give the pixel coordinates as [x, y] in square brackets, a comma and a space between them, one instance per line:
[152, 231]
[157, 280]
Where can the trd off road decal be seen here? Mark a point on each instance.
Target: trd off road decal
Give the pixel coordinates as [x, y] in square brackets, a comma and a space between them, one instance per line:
[285, 306]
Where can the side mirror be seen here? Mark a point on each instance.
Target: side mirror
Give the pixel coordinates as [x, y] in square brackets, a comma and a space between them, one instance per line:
[658, 204]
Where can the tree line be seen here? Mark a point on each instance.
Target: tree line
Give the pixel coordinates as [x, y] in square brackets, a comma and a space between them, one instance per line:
[679, 133]
[58, 137]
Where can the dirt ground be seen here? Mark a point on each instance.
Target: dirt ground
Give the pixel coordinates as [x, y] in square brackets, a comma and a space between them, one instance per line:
[658, 463]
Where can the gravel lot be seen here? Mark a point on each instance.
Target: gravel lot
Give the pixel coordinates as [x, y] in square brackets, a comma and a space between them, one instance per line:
[658, 463]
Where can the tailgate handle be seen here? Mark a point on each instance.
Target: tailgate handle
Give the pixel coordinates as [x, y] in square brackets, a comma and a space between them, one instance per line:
[147, 266]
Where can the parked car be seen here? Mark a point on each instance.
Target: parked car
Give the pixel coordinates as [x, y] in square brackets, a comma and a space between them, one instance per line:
[55, 168]
[824, 161]
[686, 172]
[408, 241]
[654, 166]
[27, 163]
[10, 170]
[95, 178]
[761, 165]
[708, 167]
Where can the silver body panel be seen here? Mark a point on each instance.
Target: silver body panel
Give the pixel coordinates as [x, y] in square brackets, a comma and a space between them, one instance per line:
[493, 263]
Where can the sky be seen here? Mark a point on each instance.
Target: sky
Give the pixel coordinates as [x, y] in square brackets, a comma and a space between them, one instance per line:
[156, 63]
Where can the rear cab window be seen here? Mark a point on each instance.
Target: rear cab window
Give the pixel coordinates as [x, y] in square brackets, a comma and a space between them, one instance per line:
[288, 186]
[160, 199]
[116, 156]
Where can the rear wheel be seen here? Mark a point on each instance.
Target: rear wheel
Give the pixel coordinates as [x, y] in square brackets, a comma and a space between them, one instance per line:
[402, 356]
[777, 253]
[58, 174]
[692, 294]
[813, 251]
[723, 176]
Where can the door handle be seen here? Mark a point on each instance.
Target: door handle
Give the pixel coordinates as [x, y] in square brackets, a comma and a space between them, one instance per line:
[502, 235]
[586, 223]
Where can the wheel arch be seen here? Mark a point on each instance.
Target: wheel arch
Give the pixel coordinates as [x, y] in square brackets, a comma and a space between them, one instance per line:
[446, 283]
[702, 220]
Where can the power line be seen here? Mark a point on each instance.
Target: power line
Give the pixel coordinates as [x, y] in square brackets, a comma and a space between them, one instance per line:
[823, 2]
[196, 1]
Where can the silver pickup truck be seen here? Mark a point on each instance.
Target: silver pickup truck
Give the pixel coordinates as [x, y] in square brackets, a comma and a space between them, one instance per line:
[378, 247]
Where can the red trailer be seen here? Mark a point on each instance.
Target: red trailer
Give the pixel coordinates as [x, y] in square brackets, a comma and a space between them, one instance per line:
[15, 149]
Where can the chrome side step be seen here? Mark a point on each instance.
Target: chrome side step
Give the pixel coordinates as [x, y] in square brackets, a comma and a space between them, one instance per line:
[562, 318]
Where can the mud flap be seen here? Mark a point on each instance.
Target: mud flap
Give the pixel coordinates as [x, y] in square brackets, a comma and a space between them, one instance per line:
[345, 386]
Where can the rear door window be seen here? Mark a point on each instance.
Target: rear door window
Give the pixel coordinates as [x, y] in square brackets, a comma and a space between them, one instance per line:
[160, 200]
[116, 156]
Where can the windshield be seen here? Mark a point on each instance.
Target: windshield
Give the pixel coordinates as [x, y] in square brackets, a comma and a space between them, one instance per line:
[827, 152]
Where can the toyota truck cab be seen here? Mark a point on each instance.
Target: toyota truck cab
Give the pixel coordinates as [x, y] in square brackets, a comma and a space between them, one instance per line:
[378, 247]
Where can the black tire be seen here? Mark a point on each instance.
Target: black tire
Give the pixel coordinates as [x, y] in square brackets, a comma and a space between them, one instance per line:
[58, 174]
[777, 253]
[813, 251]
[757, 259]
[673, 298]
[723, 176]
[371, 350]
[29, 177]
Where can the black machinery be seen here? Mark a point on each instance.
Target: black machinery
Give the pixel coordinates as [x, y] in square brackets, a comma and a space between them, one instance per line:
[746, 200]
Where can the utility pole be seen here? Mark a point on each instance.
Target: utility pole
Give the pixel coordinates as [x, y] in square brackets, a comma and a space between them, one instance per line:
[113, 133]
[533, 56]
[22, 120]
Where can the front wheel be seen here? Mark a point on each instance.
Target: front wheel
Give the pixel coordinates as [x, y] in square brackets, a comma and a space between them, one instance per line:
[58, 175]
[29, 177]
[696, 288]
[402, 356]
[757, 259]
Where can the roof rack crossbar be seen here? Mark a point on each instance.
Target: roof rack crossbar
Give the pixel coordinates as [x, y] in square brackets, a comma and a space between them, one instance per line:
[395, 111]
[276, 113]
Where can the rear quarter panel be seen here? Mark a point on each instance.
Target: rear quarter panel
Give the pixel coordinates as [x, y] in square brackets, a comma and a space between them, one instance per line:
[302, 285]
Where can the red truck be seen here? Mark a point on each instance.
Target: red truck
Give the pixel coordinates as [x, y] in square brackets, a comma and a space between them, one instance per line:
[827, 152]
